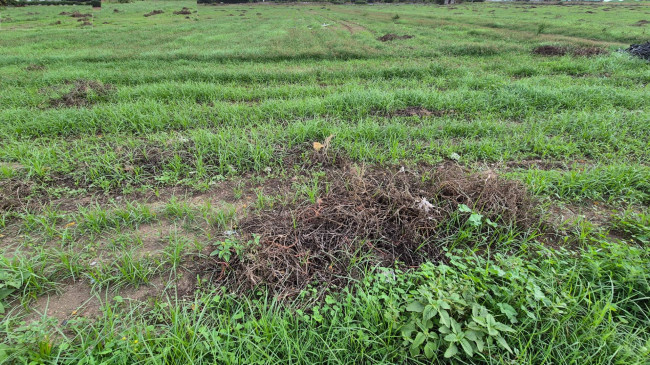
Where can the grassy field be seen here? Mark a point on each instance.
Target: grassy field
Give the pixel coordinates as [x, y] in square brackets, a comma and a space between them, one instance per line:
[273, 183]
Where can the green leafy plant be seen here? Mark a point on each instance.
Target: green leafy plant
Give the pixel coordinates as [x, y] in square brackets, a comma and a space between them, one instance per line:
[441, 320]
[226, 248]
[475, 219]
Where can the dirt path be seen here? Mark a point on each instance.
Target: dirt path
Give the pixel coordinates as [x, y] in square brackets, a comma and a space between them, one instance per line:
[353, 28]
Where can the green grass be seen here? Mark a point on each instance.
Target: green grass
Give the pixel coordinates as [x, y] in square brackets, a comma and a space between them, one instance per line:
[130, 202]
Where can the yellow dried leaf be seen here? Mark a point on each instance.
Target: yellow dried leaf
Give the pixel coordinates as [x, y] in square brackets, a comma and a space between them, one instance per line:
[74, 312]
[318, 146]
[70, 224]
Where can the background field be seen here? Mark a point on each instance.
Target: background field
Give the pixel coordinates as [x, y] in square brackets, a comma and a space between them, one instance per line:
[160, 178]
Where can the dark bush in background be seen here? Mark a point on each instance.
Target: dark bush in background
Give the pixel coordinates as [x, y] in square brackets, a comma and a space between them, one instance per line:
[32, 3]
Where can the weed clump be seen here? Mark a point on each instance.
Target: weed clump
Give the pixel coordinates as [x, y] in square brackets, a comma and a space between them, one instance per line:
[373, 217]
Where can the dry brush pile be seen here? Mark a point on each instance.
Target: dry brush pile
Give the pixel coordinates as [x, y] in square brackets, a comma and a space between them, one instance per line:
[374, 216]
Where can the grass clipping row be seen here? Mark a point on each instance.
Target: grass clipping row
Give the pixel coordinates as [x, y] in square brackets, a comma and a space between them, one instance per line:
[368, 217]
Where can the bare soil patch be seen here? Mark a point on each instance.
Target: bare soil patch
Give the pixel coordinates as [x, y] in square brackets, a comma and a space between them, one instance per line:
[376, 216]
[78, 300]
[14, 193]
[155, 12]
[393, 36]
[641, 23]
[81, 93]
[74, 300]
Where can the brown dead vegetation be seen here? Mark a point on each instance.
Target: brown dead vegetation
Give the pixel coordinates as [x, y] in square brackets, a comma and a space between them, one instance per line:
[77, 14]
[550, 51]
[184, 11]
[417, 111]
[35, 67]
[561, 51]
[588, 52]
[368, 216]
[392, 37]
[155, 12]
[81, 93]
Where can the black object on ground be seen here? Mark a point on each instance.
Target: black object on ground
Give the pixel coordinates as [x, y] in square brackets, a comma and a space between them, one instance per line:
[640, 50]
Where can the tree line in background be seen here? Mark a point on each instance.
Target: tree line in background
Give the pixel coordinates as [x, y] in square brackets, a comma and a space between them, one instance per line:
[94, 3]
[441, 2]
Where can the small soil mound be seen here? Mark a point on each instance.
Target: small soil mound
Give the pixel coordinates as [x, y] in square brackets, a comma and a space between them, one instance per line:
[588, 52]
[640, 50]
[34, 67]
[184, 11]
[82, 93]
[77, 14]
[155, 12]
[58, 22]
[383, 216]
[85, 24]
[392, 37]
[550, 51]
[116, 11]
[641, 23]
[65, 13]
